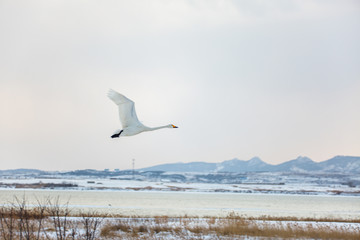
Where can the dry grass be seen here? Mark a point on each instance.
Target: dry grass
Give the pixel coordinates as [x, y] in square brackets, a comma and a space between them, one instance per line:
[303, 219]
[114, 230]
[224, 228]
[240, 227]
[51, 220]
[48, 220]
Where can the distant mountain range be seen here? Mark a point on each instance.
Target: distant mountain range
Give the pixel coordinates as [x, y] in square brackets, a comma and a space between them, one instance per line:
[339, 164]
[301, 164]
[22, 171]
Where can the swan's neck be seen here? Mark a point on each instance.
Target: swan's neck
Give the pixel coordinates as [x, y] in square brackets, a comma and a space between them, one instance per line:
[155, 128]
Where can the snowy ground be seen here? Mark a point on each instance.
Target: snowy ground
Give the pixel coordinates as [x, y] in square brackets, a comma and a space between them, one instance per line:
[294, 187]
[290, 186]
[200, 228]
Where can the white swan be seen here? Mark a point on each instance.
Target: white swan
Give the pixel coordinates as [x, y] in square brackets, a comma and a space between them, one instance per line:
[129, 121]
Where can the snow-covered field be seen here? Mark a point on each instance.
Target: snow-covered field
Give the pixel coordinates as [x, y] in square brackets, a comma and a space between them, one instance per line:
[204, 204]
[170, 203]
[294, 187]
[301, 197]
[210, 228]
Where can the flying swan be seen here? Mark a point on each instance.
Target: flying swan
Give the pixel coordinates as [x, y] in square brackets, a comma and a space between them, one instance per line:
[129, 121]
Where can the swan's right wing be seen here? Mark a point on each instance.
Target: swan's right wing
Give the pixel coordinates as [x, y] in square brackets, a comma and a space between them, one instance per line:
[126, 107]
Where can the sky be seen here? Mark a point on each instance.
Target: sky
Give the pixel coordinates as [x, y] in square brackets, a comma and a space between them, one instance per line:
[273, 79]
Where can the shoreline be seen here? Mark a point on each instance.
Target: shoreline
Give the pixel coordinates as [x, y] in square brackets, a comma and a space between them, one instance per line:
[195, 204]
[143, 186]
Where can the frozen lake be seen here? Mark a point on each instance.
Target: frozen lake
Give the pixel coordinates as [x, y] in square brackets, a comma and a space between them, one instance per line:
[152, 203]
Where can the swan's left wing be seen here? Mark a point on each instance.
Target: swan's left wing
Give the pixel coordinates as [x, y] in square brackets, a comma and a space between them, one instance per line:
[126, 107]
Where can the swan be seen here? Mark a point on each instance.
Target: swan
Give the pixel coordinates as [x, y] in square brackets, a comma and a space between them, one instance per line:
[129, 121]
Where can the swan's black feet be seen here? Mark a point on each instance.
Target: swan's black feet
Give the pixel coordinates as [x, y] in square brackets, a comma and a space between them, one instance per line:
[116, 135]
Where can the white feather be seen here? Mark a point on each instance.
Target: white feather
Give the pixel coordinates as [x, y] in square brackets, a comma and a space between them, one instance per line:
[128, 118]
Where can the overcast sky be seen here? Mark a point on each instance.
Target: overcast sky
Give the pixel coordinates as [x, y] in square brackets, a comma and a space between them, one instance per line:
[273, 79]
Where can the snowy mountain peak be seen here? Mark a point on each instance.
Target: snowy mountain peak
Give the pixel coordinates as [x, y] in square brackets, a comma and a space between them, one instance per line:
[303, 159]
[255, 160]
[300, 164]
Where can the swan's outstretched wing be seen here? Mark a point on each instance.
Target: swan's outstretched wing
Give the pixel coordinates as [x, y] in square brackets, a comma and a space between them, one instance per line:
[126, 109]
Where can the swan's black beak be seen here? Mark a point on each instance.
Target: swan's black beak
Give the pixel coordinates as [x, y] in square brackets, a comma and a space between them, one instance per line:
[174, 126]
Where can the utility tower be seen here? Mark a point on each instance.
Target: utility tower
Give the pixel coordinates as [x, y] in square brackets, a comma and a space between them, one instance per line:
[133, 169]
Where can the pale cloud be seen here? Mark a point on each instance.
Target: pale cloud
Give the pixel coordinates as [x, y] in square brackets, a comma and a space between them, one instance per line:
[276, 79]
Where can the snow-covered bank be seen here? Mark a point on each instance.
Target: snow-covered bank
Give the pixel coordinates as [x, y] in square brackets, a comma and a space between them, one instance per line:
[294, 187]
[178, 203]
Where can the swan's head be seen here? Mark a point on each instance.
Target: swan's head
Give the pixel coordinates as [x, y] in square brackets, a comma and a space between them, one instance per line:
[172, 126]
